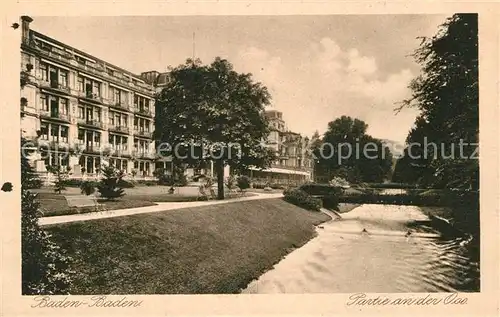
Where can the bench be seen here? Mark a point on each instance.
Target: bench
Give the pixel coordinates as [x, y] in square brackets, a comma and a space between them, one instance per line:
[83, 201]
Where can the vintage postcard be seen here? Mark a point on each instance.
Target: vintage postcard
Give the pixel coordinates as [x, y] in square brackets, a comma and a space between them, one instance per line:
[246, 158]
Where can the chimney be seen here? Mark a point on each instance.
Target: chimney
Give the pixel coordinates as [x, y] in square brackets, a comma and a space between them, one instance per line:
[25, 27]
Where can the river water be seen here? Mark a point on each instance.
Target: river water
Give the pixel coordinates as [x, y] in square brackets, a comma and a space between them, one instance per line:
[370, 250]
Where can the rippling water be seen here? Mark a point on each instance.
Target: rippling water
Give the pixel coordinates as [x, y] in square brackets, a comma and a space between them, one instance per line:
[385, 258]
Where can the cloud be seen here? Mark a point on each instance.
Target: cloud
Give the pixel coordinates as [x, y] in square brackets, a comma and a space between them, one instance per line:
[328, 81]
[364, 65]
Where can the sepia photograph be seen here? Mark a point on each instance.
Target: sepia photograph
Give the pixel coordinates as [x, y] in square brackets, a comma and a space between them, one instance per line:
[248, 155]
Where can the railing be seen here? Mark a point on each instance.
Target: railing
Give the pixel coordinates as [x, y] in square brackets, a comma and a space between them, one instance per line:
[119, 151]
[119, 104]
[90, 95]
[120, 128]
[92, 148]
[54, 84]
[143, 154]
[54, 115]
[143, 111]
[94, 123]
[146, 134]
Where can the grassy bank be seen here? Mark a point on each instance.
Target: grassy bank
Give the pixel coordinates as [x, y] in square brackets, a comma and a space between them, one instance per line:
[212, 249]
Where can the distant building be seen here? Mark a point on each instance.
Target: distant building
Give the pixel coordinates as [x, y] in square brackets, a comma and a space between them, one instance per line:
[294, 164]
[73, 99]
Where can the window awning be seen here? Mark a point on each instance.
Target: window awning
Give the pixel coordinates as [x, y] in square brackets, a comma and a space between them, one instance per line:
[281, 171]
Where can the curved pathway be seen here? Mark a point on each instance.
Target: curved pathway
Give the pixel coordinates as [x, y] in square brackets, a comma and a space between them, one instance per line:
[140, 210]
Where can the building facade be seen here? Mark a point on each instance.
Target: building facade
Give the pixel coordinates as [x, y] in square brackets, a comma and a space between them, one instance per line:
[294, 164]
[100, 113]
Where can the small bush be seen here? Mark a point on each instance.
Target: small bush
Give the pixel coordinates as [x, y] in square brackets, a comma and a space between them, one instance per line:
[331, 202]
[61, 175]
[110, 185]
[302, 199]
[167, 180]
[87, 188]
[243, 182]
[231, 182]
[258, 185]
[321, 189]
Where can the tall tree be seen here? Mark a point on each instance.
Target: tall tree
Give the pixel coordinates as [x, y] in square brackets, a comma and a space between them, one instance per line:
[446, 93]
[212, 113]
[348, 152]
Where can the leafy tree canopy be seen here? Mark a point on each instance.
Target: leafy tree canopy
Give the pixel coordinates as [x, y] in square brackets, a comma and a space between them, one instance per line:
[211, 112]
[447, 95]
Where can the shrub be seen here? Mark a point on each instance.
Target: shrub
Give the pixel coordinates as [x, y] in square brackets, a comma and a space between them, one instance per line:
[302, 199]
[163, 177]
[258, 185]
[243, 182]
[87, 187]
[45, 267]
[110, 185]
[61, 177]
[231, 182]
[276, 186]
[321, 189]
[331, 202]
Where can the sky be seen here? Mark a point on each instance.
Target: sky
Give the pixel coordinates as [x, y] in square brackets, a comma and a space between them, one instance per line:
[317, 68]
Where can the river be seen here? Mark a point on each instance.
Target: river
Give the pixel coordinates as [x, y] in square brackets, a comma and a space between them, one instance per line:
[370, 250]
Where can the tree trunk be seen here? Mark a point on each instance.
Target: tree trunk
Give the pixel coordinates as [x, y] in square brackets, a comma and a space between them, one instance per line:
[219, 165]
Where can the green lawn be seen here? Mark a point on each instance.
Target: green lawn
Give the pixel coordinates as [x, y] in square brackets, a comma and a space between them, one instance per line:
[56, 205]
[211, 249]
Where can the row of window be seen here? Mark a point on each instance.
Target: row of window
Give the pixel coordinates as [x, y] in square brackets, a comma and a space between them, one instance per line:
[54, 132]
[57, 105]
[92, 138]
[92, 164]
[87, 85]
[54, 104]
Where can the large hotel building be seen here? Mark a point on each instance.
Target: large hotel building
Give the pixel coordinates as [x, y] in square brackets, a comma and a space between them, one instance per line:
[74, 100]
[77, 104]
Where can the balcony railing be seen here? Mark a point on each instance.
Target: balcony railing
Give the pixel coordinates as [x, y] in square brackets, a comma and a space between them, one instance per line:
[119, 104]
[119, 128]
[91, 122]
[90, 96]
[119, 151]
[54, 115]
[146, 134]
[143, 154]
[143, 111]
[90, 147]
[55, 85]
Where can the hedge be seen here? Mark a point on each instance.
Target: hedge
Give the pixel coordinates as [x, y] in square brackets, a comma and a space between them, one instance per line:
[302, 199]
